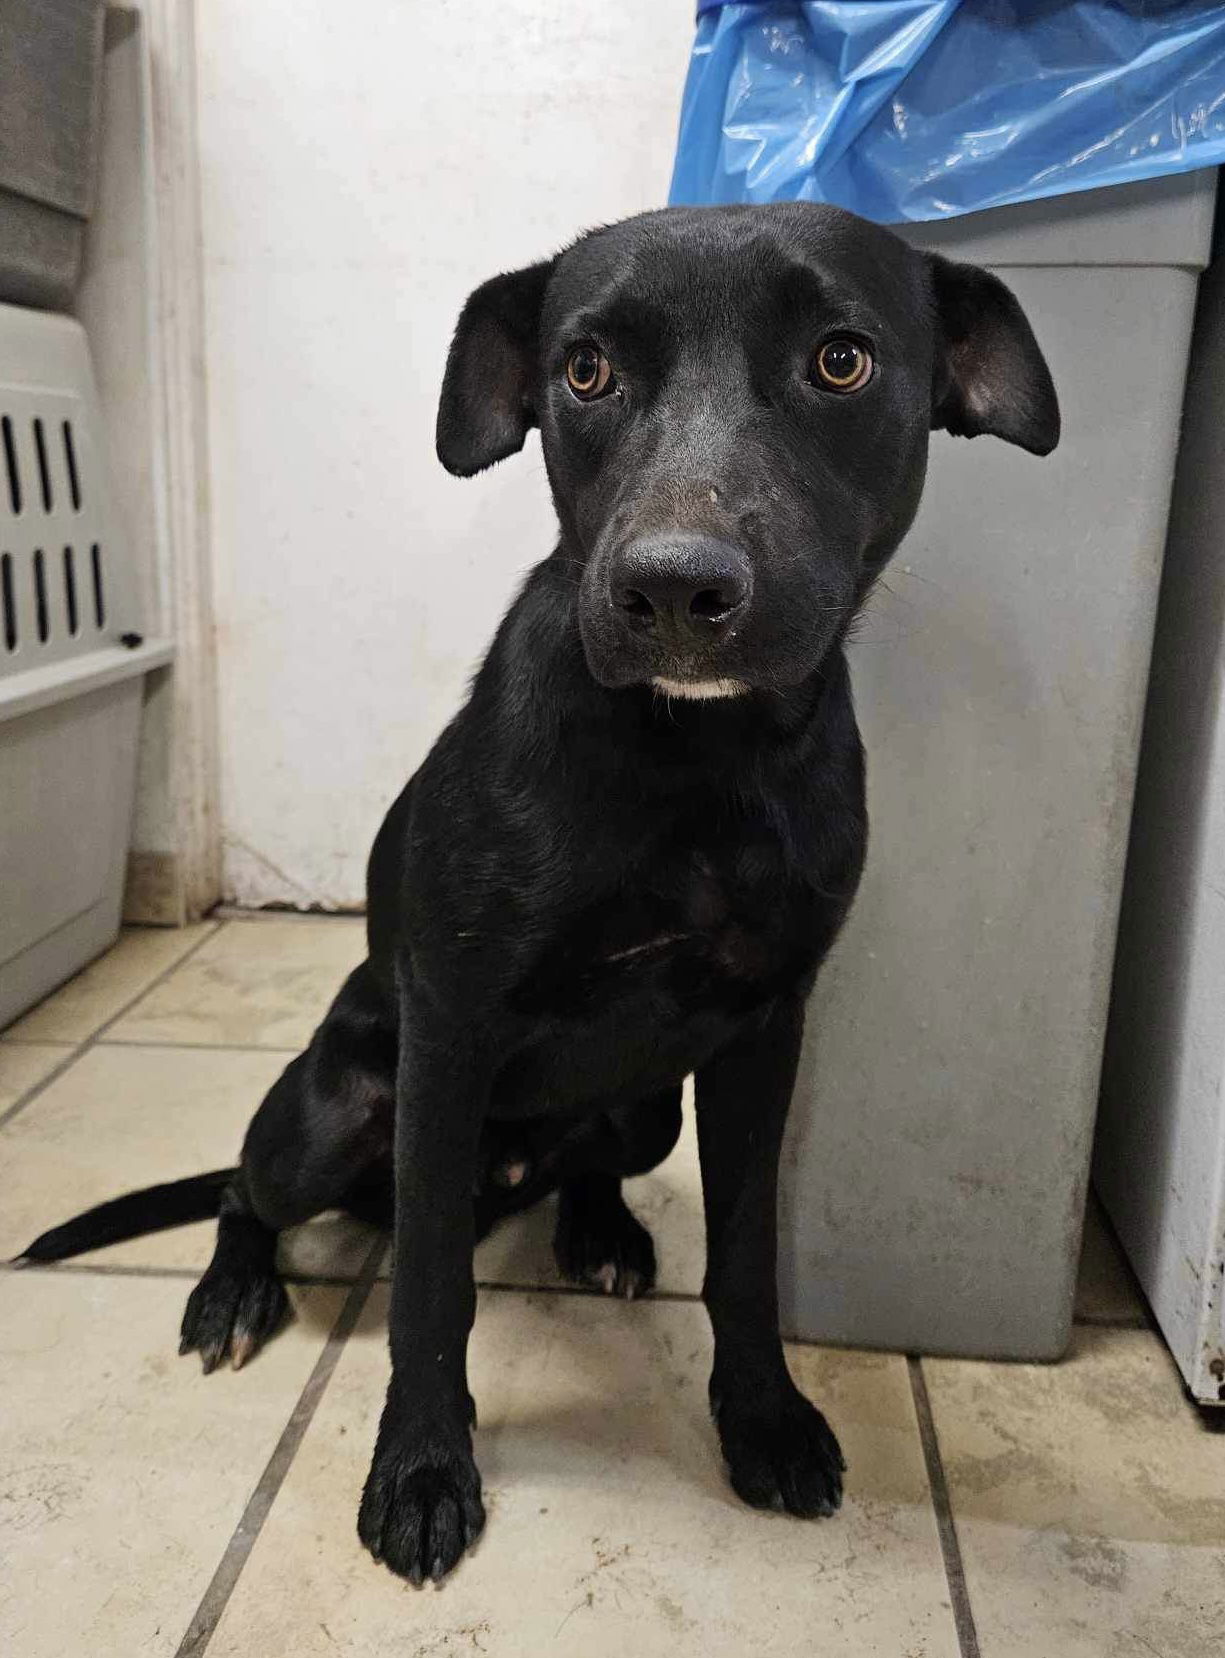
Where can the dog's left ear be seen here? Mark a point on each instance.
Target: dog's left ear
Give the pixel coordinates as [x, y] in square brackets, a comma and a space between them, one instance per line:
[485, 410]
[990, 375]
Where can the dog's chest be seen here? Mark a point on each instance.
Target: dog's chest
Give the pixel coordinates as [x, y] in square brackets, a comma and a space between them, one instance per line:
[695, 924]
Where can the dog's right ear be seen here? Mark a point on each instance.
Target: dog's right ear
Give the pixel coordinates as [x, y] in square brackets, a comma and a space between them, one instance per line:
[991, 375]
[486, 411]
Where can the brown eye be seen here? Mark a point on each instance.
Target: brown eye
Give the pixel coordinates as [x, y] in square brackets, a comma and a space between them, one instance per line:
[588, 372]
[842, 365]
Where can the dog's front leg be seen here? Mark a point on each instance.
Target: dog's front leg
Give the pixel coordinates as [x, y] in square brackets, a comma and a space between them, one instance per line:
[421, 1507]
[779, 1449]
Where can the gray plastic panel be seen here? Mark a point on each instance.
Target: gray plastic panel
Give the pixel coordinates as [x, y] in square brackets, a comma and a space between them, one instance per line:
[935, 1173]
[40, 252]
[50, 92]
[67, 774]
[1160, 1155]
[1160, 221]
[50, 86]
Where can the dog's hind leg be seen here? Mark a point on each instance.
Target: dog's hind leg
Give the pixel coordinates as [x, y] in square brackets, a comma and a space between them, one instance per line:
[323, 1126]
[599, 1240]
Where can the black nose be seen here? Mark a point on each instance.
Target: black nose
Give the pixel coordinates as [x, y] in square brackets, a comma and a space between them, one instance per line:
[684, 585]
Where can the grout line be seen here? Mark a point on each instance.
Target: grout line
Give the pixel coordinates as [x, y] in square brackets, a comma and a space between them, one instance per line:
[501, 1286]
[324, 1280]
[83, 1047]
[954, 1570]
[99, 1269]
[32, 1093]
[213, 1602]
[195, 1047]
[125, 1269]
[236, 912]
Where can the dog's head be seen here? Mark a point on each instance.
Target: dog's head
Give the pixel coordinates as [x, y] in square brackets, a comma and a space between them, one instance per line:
[734, 405]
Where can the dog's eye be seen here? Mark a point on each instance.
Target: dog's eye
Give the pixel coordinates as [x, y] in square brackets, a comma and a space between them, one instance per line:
[842, 365]
[588, 372]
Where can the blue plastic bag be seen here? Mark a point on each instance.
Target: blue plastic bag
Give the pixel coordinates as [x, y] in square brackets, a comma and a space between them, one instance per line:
[923, 109]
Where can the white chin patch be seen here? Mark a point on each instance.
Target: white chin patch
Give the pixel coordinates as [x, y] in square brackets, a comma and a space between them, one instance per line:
[699, 690]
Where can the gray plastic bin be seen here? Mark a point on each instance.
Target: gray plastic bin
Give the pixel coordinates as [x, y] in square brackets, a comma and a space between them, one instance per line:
[72, 665]
[935, 1174]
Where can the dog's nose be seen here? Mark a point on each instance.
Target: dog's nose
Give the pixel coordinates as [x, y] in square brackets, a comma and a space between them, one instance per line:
[686, 586]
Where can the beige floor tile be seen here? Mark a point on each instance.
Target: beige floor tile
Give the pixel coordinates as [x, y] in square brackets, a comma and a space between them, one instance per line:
[1106, 1292]
[256, 984]
[125, 1117]
[22, 1064]
[99, 991]
[611, 1530]
[668, 1201]
[122, 1471]
[1089, 1500]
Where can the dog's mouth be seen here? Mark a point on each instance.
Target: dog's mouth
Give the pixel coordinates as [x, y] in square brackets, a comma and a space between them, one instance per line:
[699, 688]
[618, 658]
[617, 662]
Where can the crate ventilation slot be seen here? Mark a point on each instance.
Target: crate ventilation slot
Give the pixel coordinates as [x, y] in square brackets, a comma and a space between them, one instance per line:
[95, 561]
[10, 465]
[70, 461]
[8, 601]
[70, 592]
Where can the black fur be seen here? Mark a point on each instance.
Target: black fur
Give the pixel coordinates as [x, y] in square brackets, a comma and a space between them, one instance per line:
[591, 889]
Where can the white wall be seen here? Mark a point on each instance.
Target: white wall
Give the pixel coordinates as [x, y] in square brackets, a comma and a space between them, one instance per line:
[364, 166]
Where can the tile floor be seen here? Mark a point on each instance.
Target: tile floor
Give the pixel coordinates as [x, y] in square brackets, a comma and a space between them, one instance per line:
[1069, 1511]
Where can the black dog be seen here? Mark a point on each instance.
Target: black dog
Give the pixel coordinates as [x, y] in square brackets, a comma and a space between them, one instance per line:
[625, 858]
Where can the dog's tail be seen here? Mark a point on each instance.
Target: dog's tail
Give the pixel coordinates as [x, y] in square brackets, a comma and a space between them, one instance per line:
[154, 1209]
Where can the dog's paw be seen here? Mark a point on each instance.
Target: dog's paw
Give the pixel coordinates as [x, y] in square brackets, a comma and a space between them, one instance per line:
[230, 1314]
[421, 1508]
[785, 1457]
[606, 1247]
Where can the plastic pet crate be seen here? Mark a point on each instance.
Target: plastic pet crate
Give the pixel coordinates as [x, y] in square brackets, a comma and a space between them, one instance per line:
[72, 660]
